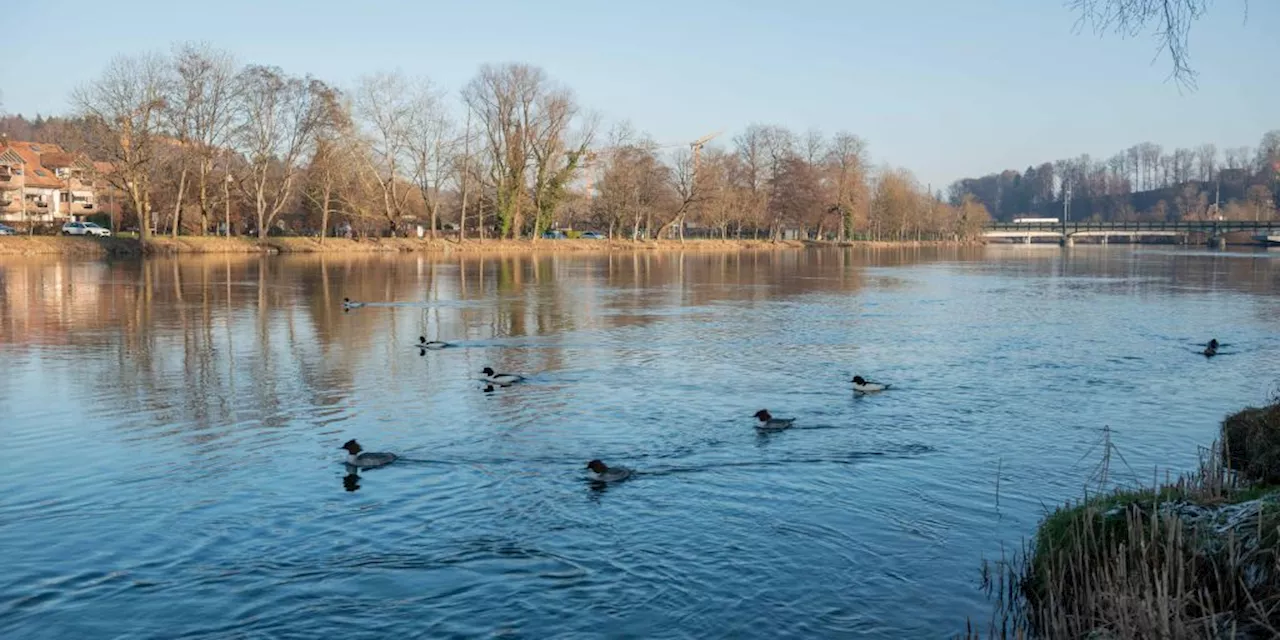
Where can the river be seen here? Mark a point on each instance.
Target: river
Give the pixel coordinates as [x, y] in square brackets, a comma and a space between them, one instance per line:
[171, 431]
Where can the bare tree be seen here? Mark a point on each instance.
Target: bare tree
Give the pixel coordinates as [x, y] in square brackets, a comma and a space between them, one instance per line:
[503, 99]
[201, 116]
[687, 189]
[463, 165]
[384, 108]
[1183, 165]
[1261, 203]
[1237, 158]
[554, 158]
[1191, 203]
[846, 165]
[1170, 20]
[279, 116]
[1207, 162]
[1269, 152]
[431, 146]
[122, 111]
[331, 164]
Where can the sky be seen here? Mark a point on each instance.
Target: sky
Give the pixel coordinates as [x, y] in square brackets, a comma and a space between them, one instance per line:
[946, 88]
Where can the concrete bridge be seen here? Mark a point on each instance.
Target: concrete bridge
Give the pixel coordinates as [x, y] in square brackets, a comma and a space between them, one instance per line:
[1066, 232]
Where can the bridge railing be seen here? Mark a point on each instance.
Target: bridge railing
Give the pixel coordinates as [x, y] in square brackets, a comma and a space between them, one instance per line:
[1208, 226]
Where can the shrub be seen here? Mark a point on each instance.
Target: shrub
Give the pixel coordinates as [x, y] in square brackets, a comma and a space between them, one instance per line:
[1251, 443]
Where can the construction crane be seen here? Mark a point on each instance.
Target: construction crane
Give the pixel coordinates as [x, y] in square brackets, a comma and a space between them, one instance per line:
[697, 145]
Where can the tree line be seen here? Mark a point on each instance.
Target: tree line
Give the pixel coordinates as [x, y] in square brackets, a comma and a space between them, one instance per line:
[199, 144]
[1143, 182]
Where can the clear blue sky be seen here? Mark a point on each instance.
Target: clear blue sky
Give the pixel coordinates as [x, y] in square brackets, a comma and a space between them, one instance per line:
[947, 88]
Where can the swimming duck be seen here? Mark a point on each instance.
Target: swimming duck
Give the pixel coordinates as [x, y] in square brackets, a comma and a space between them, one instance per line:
[770, 423]
[503, 379]
[605, 473]
[1211, 349]
[861, 385]
[347, 304]
[368, 459]
[433, 345]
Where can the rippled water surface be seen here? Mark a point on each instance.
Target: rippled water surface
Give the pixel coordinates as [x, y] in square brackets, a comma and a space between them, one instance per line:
[171, 433]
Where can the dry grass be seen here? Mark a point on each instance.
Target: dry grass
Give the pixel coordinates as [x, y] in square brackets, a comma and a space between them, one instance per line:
[1251, 443]
[1192, 558]
[164, 245]
[53, 245]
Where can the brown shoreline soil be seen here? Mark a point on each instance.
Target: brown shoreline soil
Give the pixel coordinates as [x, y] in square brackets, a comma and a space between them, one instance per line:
[161, 246]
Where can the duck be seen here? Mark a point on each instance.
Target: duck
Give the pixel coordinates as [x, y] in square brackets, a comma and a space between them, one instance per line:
[604, 473]
[1211, 349]
[367, 459]
[861, 385]
[502, 379]
[433, 345]
[347, 304]
[770, 423]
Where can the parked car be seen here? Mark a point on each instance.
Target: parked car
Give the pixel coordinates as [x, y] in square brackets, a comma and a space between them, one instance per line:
[6, 230]
[592, 235]
[554, 235]
[84, 229]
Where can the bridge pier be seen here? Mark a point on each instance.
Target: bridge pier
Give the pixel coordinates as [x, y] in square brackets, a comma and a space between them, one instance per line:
[1068, 241]
[1026, 240]
[1218, 242]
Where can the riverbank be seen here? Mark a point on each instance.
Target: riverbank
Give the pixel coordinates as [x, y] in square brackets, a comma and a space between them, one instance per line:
[1197, 557]
[131, 247]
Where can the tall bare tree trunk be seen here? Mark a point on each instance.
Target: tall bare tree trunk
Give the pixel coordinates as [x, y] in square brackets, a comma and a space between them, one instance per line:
[324, 212]
[226, 202]
[466, 166]
[177, 206]
[435, 210]
[203, 197]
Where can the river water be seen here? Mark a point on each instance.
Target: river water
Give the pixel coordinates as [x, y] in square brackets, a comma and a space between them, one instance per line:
[171, 432]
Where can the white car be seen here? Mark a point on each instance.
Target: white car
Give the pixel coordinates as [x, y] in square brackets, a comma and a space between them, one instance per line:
[84, 229]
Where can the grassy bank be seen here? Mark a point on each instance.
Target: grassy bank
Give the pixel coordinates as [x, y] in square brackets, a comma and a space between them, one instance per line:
[1196, 557]
[125, 247]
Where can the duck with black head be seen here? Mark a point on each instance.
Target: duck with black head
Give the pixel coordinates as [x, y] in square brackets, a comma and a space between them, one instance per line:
[770, 423]
[1211, 349]
[431, 345]
[348, 305]
[359, 458]
[601, 472]
[500, 379]
[862, 385]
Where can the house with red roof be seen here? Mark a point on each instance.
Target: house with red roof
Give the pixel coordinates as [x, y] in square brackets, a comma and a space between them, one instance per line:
[41, 183]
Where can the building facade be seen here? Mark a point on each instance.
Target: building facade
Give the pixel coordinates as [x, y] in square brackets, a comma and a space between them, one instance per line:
[41, 184]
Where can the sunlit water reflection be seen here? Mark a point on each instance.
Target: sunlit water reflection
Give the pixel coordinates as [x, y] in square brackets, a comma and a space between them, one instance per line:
[171, 433]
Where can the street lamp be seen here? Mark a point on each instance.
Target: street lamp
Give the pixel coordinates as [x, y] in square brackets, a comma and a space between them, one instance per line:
[226, 203]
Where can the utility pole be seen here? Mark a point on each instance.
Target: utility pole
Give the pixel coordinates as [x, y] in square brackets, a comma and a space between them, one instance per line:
[1066, 204]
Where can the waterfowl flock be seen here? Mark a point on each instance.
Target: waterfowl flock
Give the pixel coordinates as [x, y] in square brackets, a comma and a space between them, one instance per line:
[357, 458]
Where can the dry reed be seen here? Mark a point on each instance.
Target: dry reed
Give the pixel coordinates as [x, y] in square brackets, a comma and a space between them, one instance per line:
[1193, 557]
